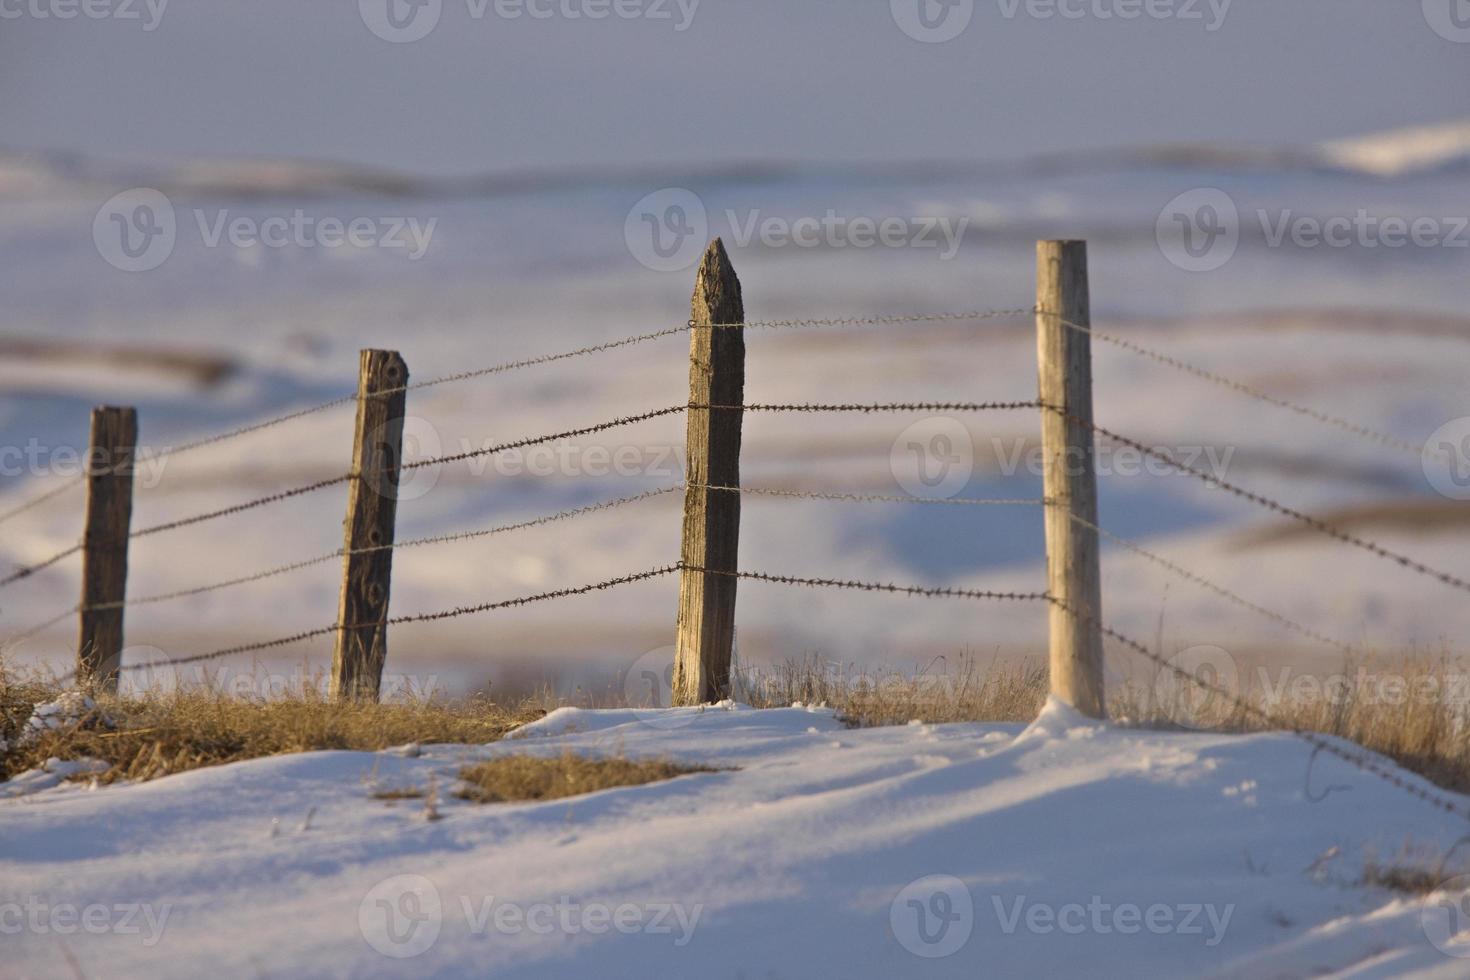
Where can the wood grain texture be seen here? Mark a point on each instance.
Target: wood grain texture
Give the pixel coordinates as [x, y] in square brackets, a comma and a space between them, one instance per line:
[1064, 361]
[105, 545]
[711, 535]
[372, 507]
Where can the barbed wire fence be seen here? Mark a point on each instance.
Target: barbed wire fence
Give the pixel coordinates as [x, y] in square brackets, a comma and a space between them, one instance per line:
[102, 666]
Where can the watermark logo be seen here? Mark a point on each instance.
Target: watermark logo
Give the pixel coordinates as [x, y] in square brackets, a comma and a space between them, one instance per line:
[1450, 19]
[1199, 230]
[648, 688]
[401, 21]
[1101, 917]
[1446, 459]
[933, 917]
[420, 443]
[135, 230]
[667, 230]
[933, 458]
[401, 916]
[1199, 688]
[932, 21]
[1445, 917]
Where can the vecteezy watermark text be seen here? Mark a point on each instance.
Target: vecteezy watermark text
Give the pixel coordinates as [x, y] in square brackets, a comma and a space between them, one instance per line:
[406, 21]
[148, 13]
[937, 21]
[935, 916]
[401, 917]
[37, 916]
[667, 230]
[138, 230]
[1201, 229]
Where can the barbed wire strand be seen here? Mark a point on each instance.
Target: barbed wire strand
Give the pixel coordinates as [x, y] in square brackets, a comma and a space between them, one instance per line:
[1362, 760]
[28, 570]
[40, 499]
[864, 321]
[872, 498]
[1250, 391]
[915, 590]
[872, 407]
[1219, 590]
[397, 621]
[1316, 524]
[536, 440]
[528, 362]
[412, 543]
[242, 507]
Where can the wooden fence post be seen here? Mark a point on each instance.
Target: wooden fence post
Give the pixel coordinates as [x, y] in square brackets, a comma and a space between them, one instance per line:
[1064, 359]
[711, 519]
[372, 505]
[109, 468]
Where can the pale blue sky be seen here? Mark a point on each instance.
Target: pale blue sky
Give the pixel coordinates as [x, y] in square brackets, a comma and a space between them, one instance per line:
[816, 80]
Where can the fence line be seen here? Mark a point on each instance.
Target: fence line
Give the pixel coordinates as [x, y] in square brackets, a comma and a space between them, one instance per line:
[1362, 759]
[1353, 428]
[1306, 520]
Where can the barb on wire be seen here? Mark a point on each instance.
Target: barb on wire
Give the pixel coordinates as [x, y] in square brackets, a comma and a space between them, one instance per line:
[29, 570]
[537, 440]
[917, 590]
[874, 407]
[397, 545]
[874, 498]
[1316, 524]
[1353, 428]
[1219, 590]
[40, 499]
[242, 507]
[1362, 759]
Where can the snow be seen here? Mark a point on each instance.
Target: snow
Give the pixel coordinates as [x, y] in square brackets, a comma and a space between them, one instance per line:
[1063, 848]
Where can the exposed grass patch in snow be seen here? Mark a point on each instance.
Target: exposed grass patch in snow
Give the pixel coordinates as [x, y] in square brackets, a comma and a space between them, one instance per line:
[140, 738]
[519, 777]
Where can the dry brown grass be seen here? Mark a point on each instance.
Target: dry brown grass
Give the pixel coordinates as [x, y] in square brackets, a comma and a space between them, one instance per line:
[521, 777]
[158, 734]
[1416, 713]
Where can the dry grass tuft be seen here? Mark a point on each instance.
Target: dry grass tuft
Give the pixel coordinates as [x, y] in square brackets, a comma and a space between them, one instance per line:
[154, 735]
[520, 777]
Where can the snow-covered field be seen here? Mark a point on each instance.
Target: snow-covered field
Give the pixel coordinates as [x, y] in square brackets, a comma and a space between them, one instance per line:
[1065, 848]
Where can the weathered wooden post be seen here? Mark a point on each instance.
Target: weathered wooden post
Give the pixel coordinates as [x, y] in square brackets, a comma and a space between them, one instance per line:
[372, 505]
[1064, 359]
[109, 469]
[711, 518]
